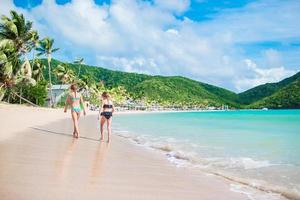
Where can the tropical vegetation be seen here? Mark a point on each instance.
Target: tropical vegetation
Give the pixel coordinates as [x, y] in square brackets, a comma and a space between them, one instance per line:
[16, 41]
[27, 81]
[262, 91]
[176, 91]
[46, 48]
[286, 97]
[23, 80]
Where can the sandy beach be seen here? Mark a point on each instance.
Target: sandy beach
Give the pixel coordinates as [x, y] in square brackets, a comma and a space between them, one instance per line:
[39, 159]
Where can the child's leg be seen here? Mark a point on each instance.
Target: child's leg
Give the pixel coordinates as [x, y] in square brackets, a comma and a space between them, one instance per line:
[102, 121]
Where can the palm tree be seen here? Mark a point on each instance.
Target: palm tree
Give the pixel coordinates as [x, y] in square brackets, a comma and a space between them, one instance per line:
[15, 41]
[37, 70]
[24, 76]
[9, 78]
[6, 70]
[34, 44]
[64, 73]
[7, 58]
[17, 30]
[87, 82]
[12, 72]
[79, 61]
[46, 48]
[88, 85]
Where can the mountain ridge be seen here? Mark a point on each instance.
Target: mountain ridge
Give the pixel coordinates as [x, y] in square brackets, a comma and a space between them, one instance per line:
[259, 92]
[179, 90]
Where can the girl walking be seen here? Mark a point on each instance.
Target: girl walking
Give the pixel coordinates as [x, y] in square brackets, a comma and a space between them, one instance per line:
[75, 101]
[106, 111]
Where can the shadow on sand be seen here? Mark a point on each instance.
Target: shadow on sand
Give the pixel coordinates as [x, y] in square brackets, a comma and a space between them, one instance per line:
[64, 134]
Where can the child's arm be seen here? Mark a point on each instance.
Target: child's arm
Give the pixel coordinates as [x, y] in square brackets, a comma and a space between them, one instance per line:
[113, 108]
[101, 108]
[82, 105]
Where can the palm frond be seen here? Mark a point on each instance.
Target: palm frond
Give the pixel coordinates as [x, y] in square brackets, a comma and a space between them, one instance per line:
[40, 54]
[54, 50]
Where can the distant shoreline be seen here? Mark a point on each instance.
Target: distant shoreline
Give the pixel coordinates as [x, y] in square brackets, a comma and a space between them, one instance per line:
[2, 103]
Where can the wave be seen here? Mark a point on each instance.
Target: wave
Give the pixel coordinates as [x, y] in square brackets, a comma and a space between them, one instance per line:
[163, 147]
[252, 193]
[238, 163]
[213, 165]
[249, 163]
[291, 194]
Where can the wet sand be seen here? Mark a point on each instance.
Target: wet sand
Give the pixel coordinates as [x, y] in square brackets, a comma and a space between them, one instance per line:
[39, 159]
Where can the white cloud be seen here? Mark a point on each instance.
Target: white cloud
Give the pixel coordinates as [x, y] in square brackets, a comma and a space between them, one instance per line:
[259, 76]
[172, 31]
[173, 5]
[263, 20]
[140, 36]
[273, 58]
[6, 6]
[82, 22]
[130, 65]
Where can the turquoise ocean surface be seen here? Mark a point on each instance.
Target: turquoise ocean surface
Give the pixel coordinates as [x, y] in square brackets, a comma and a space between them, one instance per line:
[259, 148]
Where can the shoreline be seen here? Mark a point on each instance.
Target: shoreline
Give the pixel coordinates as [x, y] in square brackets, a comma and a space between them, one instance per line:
[244, 185]
[135, 171]
[121, 112]
[27, 162]
[163, 111]
[177, 156]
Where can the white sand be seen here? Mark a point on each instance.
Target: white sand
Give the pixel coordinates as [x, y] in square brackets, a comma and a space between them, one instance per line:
[40, 160]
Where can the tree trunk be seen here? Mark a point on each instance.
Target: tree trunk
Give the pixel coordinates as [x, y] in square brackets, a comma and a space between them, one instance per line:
[25, 99]
[8, 98]
[2, 92]
[79, 71]
[33, 59]
[50, 82]
[21, 95]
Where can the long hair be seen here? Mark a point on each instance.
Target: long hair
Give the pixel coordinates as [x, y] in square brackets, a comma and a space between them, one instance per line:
[73, 87]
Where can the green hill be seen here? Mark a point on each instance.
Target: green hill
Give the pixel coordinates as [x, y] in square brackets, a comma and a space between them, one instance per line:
[265, 90]
[180, 90]
[110, 77]
[177, 90]
[165, 90]
[286, 97]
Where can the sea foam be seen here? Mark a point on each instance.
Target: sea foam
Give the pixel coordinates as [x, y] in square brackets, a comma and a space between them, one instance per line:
[170, 147]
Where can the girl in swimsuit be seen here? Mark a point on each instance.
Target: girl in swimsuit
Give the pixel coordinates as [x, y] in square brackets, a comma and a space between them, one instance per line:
[75, 101]
[106, 111]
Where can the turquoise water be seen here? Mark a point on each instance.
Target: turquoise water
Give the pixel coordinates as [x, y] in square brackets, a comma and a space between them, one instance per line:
[262, 147]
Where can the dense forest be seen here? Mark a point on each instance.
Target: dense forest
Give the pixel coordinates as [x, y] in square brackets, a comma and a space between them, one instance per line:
[286, 97]
[265, 90]
[165, 91]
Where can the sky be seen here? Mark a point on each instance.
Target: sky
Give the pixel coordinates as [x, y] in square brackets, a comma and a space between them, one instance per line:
[234, 44]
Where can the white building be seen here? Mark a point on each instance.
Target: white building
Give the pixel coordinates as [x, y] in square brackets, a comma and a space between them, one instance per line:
[58, 91]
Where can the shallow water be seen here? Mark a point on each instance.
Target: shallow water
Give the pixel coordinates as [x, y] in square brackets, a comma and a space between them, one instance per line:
[259, 148]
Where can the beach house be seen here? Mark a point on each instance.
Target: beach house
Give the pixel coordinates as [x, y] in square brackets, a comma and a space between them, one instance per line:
[58, 91]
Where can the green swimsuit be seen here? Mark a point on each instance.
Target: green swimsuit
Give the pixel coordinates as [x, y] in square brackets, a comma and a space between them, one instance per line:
[76, 108]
